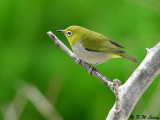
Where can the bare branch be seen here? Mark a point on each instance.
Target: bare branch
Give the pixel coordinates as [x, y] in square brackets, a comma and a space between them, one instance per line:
[115, 84]
[95, 72]
[116, 92]
[136, 85]
[128, 94]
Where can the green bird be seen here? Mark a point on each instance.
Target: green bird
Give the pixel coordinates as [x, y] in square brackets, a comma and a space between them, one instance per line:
[92, 47]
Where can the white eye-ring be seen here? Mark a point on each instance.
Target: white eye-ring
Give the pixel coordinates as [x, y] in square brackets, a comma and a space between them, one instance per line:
[69, 33]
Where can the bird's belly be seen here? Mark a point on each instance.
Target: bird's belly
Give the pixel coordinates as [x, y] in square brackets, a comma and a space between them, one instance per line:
[88, 56]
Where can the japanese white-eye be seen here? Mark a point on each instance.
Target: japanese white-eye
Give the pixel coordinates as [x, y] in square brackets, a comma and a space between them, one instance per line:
[93, 47]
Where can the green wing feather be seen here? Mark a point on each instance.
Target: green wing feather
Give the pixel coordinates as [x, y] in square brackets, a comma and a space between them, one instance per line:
[94, 41]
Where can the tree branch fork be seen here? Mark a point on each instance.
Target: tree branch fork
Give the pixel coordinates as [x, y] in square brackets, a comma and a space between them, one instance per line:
[128, 94]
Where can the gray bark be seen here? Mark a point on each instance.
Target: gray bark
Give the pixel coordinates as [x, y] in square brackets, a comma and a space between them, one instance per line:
[136, 85]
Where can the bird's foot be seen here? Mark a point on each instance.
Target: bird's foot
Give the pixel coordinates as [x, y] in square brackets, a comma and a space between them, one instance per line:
[78, 61]
[91, 69]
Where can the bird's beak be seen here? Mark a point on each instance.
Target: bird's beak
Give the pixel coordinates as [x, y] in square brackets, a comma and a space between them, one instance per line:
[62, 31]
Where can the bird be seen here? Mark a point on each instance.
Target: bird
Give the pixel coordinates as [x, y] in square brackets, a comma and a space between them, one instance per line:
[93, 47]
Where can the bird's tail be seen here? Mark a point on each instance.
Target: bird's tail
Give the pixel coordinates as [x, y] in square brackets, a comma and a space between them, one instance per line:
[128, 57]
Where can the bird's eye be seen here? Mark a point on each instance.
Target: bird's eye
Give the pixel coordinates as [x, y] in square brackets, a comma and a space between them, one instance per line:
[69, 33]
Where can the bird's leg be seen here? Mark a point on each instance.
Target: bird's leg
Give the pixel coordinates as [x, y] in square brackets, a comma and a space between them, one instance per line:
[78, 61]
[85, 66]
[92, 68]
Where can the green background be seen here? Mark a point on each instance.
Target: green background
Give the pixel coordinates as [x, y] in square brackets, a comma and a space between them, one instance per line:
[28, 54]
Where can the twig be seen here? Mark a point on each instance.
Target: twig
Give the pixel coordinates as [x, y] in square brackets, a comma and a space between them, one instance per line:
[95, 72]
[116, 92]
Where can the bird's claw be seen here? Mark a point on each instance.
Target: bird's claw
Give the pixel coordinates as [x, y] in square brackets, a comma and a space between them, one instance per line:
[91, 69]
[78, 61]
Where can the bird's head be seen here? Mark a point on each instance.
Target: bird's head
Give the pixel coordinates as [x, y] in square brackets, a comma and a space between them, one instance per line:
[74, 34]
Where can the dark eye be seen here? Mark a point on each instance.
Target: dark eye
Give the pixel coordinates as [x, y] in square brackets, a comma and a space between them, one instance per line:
[69, 33]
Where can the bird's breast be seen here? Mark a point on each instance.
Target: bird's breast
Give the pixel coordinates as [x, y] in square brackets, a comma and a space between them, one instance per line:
[92, 57]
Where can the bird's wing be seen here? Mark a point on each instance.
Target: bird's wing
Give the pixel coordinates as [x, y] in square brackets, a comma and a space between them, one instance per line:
[116, 44]
[97, 42]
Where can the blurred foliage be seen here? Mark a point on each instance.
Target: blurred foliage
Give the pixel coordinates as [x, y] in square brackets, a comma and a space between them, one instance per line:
[27, 53]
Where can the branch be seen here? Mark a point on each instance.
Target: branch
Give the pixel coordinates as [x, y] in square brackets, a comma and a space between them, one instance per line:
[128, 94]
[136, 85]
[116, 85]
[95, 72]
